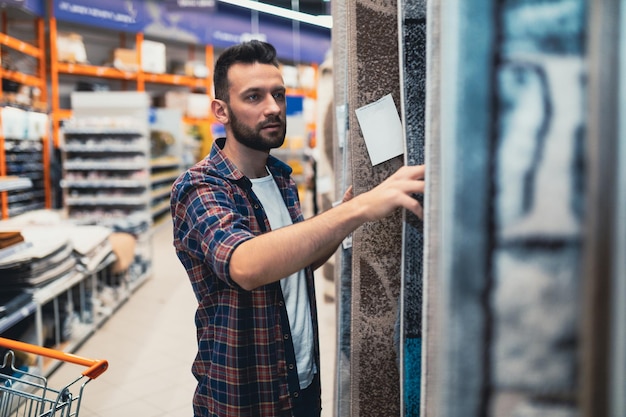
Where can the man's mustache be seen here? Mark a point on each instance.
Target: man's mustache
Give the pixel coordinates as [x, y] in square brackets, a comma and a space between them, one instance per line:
[272, 120]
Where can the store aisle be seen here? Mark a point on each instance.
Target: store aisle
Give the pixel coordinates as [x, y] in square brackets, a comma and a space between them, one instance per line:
[150, 344]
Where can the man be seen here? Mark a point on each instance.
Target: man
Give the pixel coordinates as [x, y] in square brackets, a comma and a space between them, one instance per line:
[250, 255]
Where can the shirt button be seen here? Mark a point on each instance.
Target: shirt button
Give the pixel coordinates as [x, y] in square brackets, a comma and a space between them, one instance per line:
[256, 206]
[286, 336]
[280, 304]
[296, 394]
[291, 366]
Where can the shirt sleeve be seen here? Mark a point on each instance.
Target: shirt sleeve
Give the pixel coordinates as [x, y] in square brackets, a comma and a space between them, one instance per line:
[208, 222]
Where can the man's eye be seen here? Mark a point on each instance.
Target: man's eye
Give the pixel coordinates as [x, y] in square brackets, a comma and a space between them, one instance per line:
[252, 97]
[279, 96]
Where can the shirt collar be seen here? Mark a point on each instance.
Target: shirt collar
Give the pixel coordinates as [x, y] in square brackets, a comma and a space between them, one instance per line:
[227, 169]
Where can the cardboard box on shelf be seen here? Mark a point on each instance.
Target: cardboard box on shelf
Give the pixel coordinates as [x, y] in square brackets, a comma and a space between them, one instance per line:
[153, 57]
[196, 69]
[192, 104]
[173, 99]
[125, 59]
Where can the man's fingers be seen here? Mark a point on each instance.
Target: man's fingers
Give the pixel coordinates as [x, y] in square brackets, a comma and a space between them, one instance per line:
[417, 172]
[411, 186]
[347, 196]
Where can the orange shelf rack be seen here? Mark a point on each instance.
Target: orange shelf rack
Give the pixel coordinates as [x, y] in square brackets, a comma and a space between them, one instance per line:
[140, 77]
[37, 80]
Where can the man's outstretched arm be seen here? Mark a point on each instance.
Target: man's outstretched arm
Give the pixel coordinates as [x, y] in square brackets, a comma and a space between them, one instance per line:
[277, 254]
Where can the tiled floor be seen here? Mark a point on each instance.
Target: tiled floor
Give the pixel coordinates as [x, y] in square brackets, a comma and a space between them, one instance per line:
[150, 344]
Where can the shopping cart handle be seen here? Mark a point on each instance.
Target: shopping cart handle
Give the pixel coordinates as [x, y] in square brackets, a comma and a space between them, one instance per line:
[97, 369]
[95, 366]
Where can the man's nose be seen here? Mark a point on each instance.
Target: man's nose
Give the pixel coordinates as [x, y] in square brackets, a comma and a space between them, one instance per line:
[272, 106]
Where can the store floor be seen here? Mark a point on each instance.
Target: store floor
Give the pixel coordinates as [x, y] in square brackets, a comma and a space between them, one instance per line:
[150, 344]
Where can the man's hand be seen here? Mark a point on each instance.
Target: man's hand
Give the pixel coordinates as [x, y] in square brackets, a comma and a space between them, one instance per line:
[396, 191]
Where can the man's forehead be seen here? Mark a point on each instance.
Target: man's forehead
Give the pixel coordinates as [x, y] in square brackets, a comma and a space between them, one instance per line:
[256, 75]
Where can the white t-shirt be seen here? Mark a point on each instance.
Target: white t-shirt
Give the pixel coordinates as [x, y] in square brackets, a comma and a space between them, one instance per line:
[294, 286]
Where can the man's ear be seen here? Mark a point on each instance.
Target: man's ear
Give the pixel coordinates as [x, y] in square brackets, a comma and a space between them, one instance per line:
[220, 111]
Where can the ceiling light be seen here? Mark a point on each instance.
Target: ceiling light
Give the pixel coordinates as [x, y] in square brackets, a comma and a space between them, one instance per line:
[322, 20]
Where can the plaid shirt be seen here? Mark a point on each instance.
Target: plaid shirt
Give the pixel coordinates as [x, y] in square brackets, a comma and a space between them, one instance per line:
[246, 363]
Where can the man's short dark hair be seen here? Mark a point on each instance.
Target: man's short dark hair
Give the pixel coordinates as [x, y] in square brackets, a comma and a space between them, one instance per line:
[246, 53]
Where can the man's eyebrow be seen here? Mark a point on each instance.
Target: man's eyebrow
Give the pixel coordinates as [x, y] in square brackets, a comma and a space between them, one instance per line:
[258, 89]
[251, 90]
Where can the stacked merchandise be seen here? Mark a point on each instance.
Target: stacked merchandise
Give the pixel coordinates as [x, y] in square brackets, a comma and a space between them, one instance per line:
[91, 246]
[47, 258]
[38, 247]
[10, 239]
[24, 269]
[44, 257]
[12, 242]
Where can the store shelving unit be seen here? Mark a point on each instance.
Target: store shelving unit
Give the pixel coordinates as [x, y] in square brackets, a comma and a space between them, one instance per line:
[16, 158]
[106, 169]
[128, 80]
[64, 310]
[24, 159]
[74, 306]
[163, 172]
[23, 156]
[106, 175]
[106, 161]
[167, 158]
[75, 294]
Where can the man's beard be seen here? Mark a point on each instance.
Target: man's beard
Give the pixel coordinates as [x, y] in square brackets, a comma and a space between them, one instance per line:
[254, 138]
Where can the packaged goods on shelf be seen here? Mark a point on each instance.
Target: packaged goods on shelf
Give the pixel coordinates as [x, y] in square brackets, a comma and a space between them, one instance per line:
[50, 239]
[195, 69]
[10, 238]
[12, 182]
[92, 86]
[125, 59]
[14, 122]
[153, 57]
[71, 48]
[160, 142]
[198, 105]
[36, 125]
[193, 105]
[173, 99]
[290, 76]
[307, 77]
[47, 259]
[23, 96]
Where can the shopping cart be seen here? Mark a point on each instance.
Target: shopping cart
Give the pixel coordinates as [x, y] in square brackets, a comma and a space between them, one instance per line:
[25, 394]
